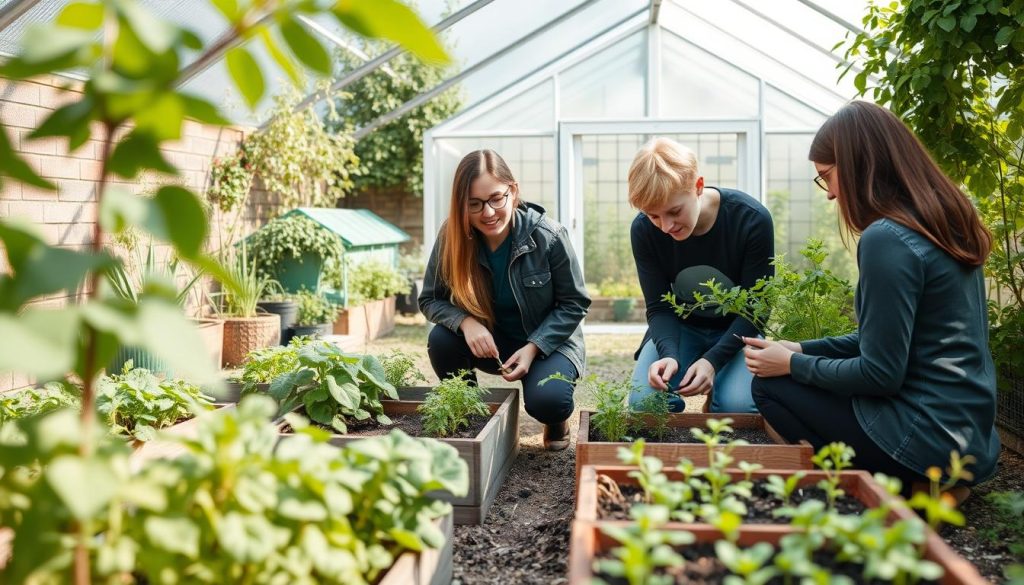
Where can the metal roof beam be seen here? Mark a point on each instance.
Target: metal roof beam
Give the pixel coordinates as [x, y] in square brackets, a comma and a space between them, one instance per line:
[13, 10]
[224, 43]
[340, 42]
[440, 88]
[655, 11]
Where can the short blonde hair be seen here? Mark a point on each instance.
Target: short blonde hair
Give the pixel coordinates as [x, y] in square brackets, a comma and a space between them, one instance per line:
[661, 169]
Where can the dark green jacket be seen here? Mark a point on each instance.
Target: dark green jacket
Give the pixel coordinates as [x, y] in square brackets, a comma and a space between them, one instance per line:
[547, 283]
[919, 368]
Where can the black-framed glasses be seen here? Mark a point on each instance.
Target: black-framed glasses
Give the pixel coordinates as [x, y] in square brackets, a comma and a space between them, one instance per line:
[496, 202]
[821, 182]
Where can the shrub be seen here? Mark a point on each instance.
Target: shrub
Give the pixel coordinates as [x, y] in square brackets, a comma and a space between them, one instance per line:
[290, 237]
[372, 281]
[314, 309]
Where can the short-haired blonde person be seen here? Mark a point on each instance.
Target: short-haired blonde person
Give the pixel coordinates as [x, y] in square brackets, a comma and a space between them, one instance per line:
[686, 234]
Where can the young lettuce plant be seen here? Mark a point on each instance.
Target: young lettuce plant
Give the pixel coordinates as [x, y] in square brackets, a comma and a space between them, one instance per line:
[136, 404]
[833, 459]
[263, 365]
[451, 405]
[643, 548]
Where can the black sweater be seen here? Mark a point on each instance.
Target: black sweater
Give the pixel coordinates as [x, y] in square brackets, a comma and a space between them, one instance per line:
[737, 250]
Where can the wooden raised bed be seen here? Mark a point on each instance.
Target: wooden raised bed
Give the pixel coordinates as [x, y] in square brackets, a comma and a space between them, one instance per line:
[158, 449]
[779, 456]
[430, 567]
[489, 455]
[587, 542]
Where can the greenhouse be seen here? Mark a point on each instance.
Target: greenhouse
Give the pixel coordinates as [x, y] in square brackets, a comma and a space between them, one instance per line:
[511, 291]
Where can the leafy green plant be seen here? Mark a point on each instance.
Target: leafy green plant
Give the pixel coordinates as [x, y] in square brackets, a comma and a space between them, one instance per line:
[297, 157]
[937, 503]
[749, 565]
[334, 388]
[243, 299]
[264, 364]
[1010, 527]
[628, 289]
[314, 309]
[784, 488]
[290, 237]
[676, 496]
[130, 282]
[372, 281]
[652, 415]
[832, 459]
[451, 404]
[400, 368]
[612, 418]
[808, 304]
[36, 401]
[136, 404]
[230, 181]
[643, 549]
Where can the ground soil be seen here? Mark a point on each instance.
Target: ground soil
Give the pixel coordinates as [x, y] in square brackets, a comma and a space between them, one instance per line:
[760, 507]
[683, 435]
[525, 537]
[410, 424]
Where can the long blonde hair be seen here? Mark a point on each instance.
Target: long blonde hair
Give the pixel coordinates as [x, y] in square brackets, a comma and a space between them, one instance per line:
[465, 277]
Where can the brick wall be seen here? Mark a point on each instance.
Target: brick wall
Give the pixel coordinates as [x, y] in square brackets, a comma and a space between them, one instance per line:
[405, 210]
[67, 216]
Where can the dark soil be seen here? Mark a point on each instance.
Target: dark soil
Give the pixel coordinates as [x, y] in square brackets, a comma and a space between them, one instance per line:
[683, 435]
[410, 424]
[759, 508]
[702, 567]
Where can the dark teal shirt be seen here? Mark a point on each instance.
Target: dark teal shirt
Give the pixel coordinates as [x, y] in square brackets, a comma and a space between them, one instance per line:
[919, 368]
[509, 321]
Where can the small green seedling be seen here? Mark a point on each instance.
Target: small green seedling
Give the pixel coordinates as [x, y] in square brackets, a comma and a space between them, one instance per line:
[784, 488]
[452, 404]
[643, 548]
[652, 415]
[749, 565]
[937, 503]
[832, 459]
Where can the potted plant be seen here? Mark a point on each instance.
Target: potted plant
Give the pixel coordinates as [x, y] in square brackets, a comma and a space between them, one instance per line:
[412, 266]
[283, 304]
[295, 251]
[315, 315]
[246, 329]
[623, 297]
[370, 305]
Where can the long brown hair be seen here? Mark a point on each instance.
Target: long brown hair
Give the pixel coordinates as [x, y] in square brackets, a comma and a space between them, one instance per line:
[885, 171]
[459, 267]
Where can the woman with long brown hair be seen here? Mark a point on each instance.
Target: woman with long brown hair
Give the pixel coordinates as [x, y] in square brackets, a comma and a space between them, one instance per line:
[916, 381]
[505, 288]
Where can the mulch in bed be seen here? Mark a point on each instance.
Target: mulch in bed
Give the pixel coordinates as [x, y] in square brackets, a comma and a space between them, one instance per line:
[683, 435]
[410, 424]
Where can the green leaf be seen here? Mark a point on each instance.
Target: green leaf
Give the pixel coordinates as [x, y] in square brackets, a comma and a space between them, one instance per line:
[203, 111]
[173, 215]
[67, 475]
[228, 8]
[11, 165]
[174, 535]
[38, 342]
[247, 75]
[71, 120]
[390, 19]
[947, 23]
[283, 60]
[46, 48]
[306, 47]
[347, 394]
[406, 538]
[137, 152]
[156, 34]
[38, 268]
[968, 23]
[162, 118]
[1003, 37]
[85, 16]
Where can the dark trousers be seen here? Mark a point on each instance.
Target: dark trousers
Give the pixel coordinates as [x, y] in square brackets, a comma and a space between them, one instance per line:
[550, 404]
[799, 411]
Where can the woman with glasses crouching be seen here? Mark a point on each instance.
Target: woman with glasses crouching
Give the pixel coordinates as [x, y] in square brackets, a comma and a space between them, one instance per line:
[505, 288]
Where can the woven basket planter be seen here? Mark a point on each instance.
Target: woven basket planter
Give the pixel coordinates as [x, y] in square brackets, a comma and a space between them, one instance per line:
[244, 334]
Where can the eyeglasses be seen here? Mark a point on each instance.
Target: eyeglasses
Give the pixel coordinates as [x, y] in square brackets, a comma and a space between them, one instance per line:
[821, 182]
[496, 202]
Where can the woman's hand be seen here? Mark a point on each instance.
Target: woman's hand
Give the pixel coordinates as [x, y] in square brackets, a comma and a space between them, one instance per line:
[478, 338]
[699, 379]
[661, 372]
[767, 359]
[519, 364]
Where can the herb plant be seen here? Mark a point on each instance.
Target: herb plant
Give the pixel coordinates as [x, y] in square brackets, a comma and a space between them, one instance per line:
[135, 403]
[243, 299]
[451, 404]
[750, 565]
[334, 388]
[652, 415]
[314, 309]
[643, 549]
[784, 488]
[400, 368]
[810, 304]
[1010, 528]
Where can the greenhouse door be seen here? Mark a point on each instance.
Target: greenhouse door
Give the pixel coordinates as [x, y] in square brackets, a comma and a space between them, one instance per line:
[595, 159]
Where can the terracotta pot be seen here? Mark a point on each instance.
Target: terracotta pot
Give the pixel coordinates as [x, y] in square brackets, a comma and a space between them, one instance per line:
[244, 334]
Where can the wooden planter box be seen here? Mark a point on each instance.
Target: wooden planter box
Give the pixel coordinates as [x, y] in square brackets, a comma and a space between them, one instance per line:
[430, 567]
[233, 392]
[779, 456]
[587, 542]
[489, 455]
[157, 449]
[368, 321]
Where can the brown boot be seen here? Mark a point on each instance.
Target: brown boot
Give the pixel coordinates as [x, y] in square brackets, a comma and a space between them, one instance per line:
[556, 436]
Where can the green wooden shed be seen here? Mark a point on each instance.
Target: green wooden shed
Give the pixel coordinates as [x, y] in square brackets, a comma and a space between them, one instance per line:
[364, 235]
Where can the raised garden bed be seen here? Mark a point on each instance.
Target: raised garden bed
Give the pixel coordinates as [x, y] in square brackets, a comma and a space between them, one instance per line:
[588, 544]
[157, 449]
[429, 567]
[775, 456]
[489, 454]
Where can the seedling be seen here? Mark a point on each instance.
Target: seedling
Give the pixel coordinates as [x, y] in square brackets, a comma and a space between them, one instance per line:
[451, 404]
[652, 415]
[784, 488]
[833, 459]
[747, 564]
[643, 549]
[658, 488]
[938, 505]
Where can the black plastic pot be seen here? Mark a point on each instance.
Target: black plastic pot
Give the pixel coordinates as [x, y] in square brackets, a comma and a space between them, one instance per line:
[288, 310]
[408, 303]
[318, 330]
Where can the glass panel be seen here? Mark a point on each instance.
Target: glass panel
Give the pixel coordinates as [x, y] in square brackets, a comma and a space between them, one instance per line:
[782, 111]
[534, 109]
[800, 209]
[696, 84]
[611, 84]
[607, 216]
[531, 160]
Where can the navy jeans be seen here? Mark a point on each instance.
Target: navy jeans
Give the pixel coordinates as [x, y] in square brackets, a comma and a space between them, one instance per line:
[550, 404]
[800, 411]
